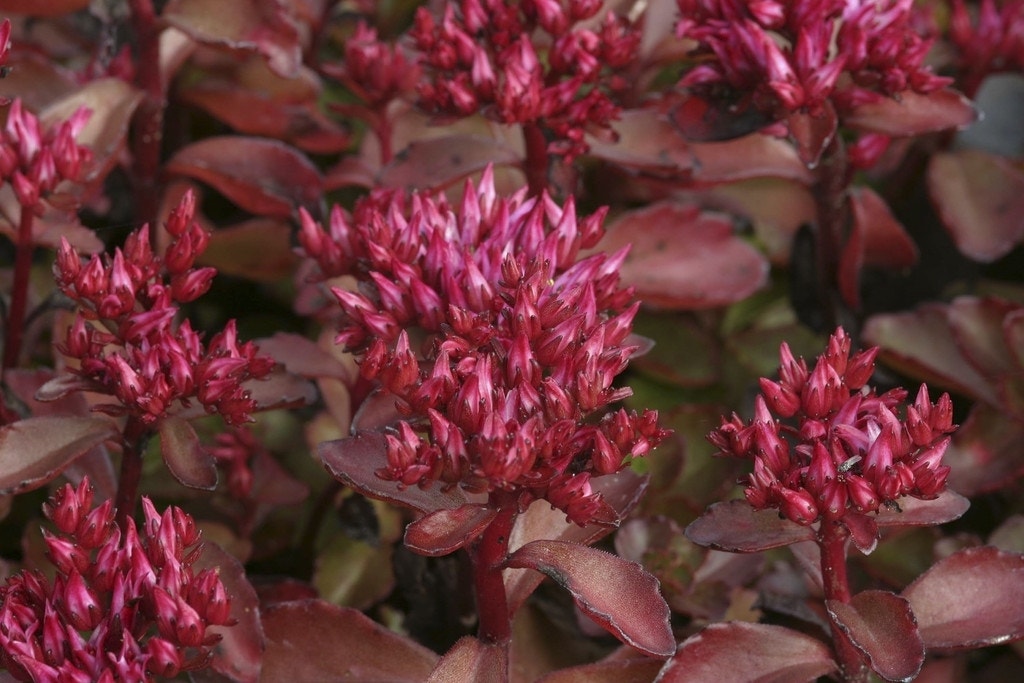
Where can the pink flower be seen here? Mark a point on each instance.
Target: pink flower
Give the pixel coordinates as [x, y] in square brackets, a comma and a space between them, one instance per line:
[519, 341]
[838, 446]
[122, 606]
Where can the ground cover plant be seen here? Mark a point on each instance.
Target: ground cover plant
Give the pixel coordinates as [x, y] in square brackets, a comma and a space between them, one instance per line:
[479, 340]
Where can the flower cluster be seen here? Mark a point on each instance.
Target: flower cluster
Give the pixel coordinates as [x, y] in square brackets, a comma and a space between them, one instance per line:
[993, 41]
[845, 449]
[528, 63]
[785, 57]
[124, 606]
[34, 161]
[127, 341]
[517, 341]
[373, 70]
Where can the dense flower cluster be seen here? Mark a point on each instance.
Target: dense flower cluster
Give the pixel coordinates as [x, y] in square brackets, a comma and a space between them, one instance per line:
[127, 341]
[784, 57]
[993, 41]
[844, 449]
[35, 161]
[498, 343]
[373, 70]
[125, 605]
[526, 62]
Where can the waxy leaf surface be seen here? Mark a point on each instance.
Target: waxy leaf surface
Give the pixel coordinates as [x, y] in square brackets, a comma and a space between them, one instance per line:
[472, 660]
[186, 458]
[913, 113]
[35, 450]
[881, 625]
[736, 527]
[444, 531]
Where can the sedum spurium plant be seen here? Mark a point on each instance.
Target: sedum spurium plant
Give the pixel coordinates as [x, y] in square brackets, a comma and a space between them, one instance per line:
[334, 330]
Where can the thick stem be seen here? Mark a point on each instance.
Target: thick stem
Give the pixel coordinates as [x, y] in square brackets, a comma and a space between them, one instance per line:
[134, 442]
[149, 117]
[832, 540]
[830, 194]
[488, 553]
[15, 323]
[536, 163]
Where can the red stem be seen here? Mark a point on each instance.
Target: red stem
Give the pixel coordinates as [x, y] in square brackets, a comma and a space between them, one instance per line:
[832, 539]
[488, 554]
[536, 163]
[830, 193]
[149, 117]
[134, 442]
[15, 322]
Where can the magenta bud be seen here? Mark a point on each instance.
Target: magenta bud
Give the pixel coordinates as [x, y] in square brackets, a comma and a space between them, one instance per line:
[164, 658]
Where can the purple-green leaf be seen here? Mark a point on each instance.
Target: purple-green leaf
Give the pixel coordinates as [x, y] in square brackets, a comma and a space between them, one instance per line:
[35, 450]
[881, 625]
[970, 599]
[185, 457]
[444, 531]
[742, 651]
[736, 527]
[311, 641]
[619, 595]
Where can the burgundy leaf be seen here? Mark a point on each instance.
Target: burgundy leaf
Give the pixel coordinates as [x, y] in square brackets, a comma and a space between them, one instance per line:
[682, 258]
[736, 527]
[311, 641]
[258, 249]
[987, 451]
[272, 485]
[444, 531]
[261, 25]
[619, 595]
[812, 133]
[752, 156]
[919, 343]
[185, 457]
[281, 389]
[355, 461]
[35, 450]
[622, 491]
[43, 8]
[302, 356]
[635, 670]
[742, 651]
[977, 327]
[440, 162]
[863, 531]
[112, 102]
[472, 660]
[63, 387]
[376, 412]
[876, 239]
[913, 113]
[881, 625]
[239, 653]
[980, 199]
[703, 120]
[264, 177]
[647, 141]
[948, 506]
[970, 599]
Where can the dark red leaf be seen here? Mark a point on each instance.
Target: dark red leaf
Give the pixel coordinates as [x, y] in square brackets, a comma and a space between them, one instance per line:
[239, 654]
[987, 451]
[876, 239]
[311, 641]
[752, 156]
[355, 461]
[736, 527]
[702, 120]
[185, 457]
[264, 26]
[264, 177]
[919, 343]
[881, 625]
[863, 531]
[620, 671]
[742, 651]
[258, 249]
[913, 113]
[647, 141]
[682, 258]
[619, 595]
[812, 133]
[43, 8]
[444, 531]
[440, 162]
[915, 512]
[35, 450]
[376, 412]
[980, 199]
[281, 389]
[977, 327]
[970, 599]
[304, 357]
[472, 660]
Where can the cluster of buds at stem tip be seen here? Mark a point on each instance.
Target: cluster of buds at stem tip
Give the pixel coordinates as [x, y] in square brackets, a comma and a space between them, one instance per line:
[993, 41]
[374, 70]
[498, 342]
[124, 604]
[528, 63]
[786, 57]
[824, 445]
[125, 336]
[35, 161]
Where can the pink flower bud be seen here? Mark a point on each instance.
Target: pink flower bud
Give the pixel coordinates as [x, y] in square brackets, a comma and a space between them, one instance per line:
[164, 658]
[78, 604]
